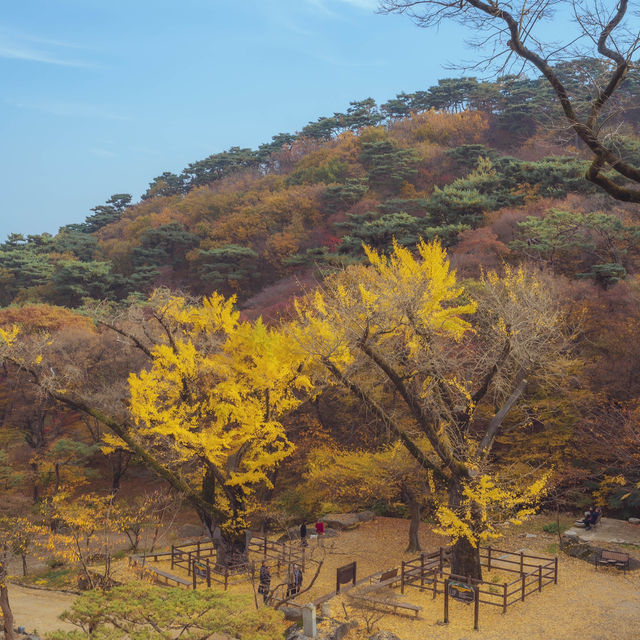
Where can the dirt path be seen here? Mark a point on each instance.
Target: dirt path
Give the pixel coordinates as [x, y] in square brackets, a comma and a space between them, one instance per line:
[38, 610]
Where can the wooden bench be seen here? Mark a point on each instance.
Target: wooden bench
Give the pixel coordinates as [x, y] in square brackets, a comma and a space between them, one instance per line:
[616, 559]
[386, 577]
[170, 577]
[383, 602]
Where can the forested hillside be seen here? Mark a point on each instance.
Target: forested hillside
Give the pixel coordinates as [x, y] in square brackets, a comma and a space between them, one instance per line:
[485, 167]
[442, 162]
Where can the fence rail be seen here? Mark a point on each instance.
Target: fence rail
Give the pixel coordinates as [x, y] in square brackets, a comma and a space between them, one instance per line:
[198, 559]
[428, 572]
[277, 555]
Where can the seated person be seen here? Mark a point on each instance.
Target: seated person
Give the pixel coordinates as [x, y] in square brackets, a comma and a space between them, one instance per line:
[590, 517]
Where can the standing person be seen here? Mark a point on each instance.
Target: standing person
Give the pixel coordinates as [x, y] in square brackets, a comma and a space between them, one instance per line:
[265, 581]
[320, 532]
[303, 534]
[297, 578]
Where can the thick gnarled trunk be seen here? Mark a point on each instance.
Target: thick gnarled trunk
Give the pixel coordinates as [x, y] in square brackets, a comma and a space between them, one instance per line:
[230, 545]
[465, 558]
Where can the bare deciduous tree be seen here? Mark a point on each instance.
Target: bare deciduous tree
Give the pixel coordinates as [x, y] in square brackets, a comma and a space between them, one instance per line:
[513, 32]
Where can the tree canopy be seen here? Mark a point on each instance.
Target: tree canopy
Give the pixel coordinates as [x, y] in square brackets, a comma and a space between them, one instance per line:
[452, 357]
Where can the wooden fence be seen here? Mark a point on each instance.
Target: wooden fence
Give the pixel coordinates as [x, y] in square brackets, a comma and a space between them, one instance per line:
[199, 561]
[429, 572]
[278, 555]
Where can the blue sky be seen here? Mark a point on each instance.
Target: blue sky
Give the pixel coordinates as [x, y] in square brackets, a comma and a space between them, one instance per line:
[99, 97]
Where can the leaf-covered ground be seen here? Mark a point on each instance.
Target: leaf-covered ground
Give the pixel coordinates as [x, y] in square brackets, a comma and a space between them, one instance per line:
[586, 604]
[38, 610]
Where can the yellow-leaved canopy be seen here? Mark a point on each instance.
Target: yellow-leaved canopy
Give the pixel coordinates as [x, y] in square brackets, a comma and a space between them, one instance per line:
[213, 396]
[440, 366]
[401, 296]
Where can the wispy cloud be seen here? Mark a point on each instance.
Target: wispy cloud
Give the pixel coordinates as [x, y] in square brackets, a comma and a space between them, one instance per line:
[102, 153]
[15, 45]
[294, 27]
[68, 109]
[339, 62]
[370, 5]
[367, 5]
[32, 55]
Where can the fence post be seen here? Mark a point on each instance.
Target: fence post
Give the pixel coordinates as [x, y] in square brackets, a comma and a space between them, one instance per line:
[402, 579]
[521, 562]
[555, 570]
[189, 564]
[446, 601]
[193, 574]
[523, 586]
[489, 558]
[539, 577]
[504, 599]
[422, 569]
[476, 606]
[208, 574]
[441, 564]
[173, 550]
[265, 545]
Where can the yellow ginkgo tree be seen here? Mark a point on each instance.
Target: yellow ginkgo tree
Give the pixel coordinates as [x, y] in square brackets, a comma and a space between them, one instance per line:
[202, 403]
[441, 366]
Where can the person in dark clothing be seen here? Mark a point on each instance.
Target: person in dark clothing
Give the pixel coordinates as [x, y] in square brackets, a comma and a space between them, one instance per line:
[265, 581]
[591, 517]
[297, 578]
[303, 534]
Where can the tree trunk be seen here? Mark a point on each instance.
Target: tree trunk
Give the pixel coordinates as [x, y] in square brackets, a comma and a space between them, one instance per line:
[230, 548]
[230, 551]
[414, 525]
[465, 558]
[7, 616]
[36, 494]
[119, 465]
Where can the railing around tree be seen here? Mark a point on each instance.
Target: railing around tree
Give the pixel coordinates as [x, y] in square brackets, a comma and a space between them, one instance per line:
[429, 571]
[198, 559]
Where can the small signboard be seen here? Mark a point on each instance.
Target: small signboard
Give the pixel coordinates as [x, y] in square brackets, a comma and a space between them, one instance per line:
[461, 591]
[200, 569]
[345, 574]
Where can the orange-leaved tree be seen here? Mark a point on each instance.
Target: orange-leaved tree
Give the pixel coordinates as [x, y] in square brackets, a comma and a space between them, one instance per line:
[457, 364]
